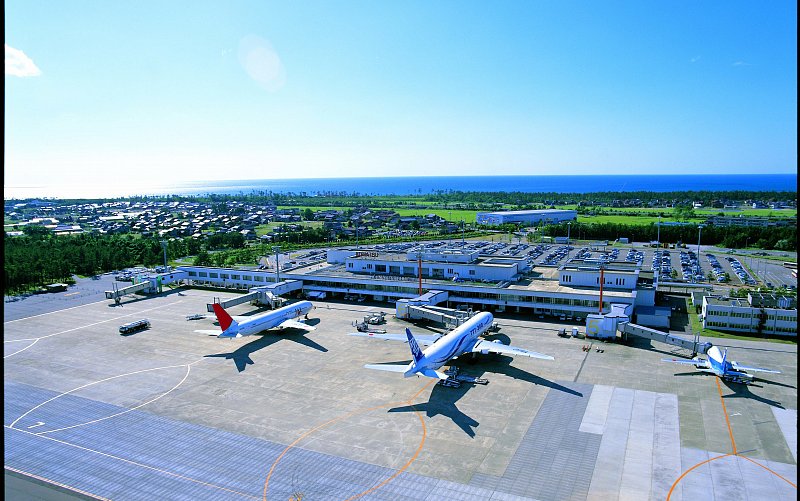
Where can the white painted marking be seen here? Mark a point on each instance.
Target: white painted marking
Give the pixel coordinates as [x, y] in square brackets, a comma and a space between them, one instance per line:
[39, 423]
[141, 465]
[50, 313]
[666, 447]
[594, 418]
[188, 368]
[611, 454]
[637, 468]
[19, 351]
[89, 325]
[787, 422]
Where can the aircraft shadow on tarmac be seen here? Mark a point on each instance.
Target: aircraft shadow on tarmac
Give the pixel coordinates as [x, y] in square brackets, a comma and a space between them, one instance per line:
[742, 390]
[241, 356]
[443, 399]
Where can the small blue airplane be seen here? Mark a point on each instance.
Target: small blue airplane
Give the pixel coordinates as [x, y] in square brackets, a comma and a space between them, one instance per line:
[718, 365]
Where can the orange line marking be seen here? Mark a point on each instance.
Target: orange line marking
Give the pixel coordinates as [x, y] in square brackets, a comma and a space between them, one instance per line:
[774, 473]
[734, 453]
[358, 411]
[675, 484]
[727, 420]
[408, 463]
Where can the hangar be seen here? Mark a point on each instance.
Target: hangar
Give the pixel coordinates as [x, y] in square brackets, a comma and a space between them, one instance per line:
[526, 217]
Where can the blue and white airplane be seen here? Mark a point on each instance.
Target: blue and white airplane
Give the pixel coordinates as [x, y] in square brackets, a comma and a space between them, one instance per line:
[443, 348]
[244, 326]
[717, 363]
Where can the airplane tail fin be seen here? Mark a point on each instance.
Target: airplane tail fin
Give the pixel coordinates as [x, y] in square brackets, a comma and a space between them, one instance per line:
[414, 346]
[224, 319]
[388, 367]
[724, 357]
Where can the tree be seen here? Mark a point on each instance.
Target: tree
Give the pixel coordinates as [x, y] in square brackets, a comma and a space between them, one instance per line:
[203, 258]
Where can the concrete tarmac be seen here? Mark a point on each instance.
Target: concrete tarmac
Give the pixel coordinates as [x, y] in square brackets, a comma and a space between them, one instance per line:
[170, 413]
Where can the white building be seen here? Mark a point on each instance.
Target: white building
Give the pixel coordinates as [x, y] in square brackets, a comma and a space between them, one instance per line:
[526, 217]
[758, 314]
[482, 282]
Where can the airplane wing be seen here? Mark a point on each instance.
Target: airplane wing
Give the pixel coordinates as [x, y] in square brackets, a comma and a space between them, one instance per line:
[745, 368]
[294, 324]
[210, 332]
[483, 345]
[697, 363]
[423, 339]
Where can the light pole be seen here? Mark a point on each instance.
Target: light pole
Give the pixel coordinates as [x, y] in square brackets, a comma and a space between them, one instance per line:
[699, 232]
[277, 250]
[658, 235]
[569, 226]
[164, 245]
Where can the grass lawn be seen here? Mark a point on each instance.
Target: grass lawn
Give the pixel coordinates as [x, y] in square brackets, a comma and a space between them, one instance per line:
[454, 215]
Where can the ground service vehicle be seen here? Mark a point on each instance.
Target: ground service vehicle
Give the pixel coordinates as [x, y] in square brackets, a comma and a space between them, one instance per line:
[132, 327]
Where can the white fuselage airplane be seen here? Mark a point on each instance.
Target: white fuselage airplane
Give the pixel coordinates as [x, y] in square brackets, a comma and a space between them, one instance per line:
[245, 326]
[717, 364]
[441, 349]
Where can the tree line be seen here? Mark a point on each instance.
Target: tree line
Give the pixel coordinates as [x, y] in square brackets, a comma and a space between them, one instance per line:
[764, 237]
[38, 257]
[334, 198]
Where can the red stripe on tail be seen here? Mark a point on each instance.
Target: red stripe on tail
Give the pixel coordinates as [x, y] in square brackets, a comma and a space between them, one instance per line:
[224, 319]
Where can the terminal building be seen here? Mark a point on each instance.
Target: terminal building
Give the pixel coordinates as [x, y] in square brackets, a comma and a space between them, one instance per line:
[468, 280]
[526, 217]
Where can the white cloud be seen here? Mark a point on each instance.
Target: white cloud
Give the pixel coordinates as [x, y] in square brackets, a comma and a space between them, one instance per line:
[20, 65]
[695, 59]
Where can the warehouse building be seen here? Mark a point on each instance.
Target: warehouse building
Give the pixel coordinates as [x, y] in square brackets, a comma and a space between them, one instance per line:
[526, 217]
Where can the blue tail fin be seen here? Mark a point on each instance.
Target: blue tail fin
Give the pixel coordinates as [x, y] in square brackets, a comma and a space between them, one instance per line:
[414, 346]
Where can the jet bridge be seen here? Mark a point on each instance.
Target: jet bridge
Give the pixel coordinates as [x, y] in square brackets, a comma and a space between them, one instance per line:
[607, 326]
[149, 284]
[629, 329]
[424, 307]
[264, 295]
[117, 294]
[444, 316]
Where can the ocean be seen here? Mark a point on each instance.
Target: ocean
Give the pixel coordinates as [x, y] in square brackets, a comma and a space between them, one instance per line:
[527, 184]
[431, 184]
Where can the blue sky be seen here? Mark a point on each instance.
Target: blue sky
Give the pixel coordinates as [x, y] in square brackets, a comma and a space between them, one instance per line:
[156, 92]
